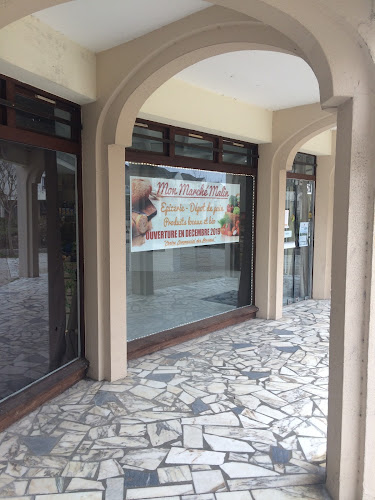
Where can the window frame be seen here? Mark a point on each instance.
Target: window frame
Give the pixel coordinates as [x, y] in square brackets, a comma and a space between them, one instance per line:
[29, 398]
[169, 155]
[174, 336]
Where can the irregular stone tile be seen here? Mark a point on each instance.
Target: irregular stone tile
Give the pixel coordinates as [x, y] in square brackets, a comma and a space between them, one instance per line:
[208, 481]
[80, 469]
[104, 431]
[89, 495]
[177, 474]
[161, 377]
[120, 442]
[158, 492]
[39, 445]
[257, 416]
[216, 388]
[253, 375]
[179, 355]
[140, 479]
[226, 418]
[109, 468]
[270, 399]
[77, 484]
[133, 430]
[249, 401]
[114, 489]
[280, 455]
[282, 332]
[163, 432]
[273, 482]
[198, 407]
[217, 443]
[292, 493]
[74, 426]
[285, 426]
[238, 495]
[238, 470]
[186, 398]
[291, 349]
[149, 459]
[242, 345]
[104, 397]
[189, 456]
[193, 436]
[15, 469]
[248, 434]
[314, 448]
[307, 429]
[247, 422]
[146, 392]
[46, 485]
[301, 408]
[205, 496]
[115, 388]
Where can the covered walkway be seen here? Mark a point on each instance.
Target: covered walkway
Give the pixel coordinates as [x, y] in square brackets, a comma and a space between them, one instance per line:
[232, 415]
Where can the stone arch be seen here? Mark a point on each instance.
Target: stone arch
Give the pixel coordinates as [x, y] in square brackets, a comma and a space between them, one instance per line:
[304, 123]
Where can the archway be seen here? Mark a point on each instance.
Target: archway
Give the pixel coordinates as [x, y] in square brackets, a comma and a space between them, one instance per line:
[354, 264]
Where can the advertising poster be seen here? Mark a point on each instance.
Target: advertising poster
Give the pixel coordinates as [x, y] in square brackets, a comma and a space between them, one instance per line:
[173, 213]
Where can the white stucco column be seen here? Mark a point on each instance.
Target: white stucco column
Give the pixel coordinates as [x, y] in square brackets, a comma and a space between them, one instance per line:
[351, 415]
[323, 224]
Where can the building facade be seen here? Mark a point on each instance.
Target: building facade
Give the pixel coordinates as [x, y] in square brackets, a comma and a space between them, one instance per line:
[85, 199]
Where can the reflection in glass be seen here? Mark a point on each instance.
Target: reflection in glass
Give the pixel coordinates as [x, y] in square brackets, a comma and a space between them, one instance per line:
[187, 145]
[174, 286]
[38, 264]
[298, 240]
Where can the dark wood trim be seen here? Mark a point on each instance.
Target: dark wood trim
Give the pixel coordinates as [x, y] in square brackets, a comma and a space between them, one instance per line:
[23, 85]
[304, 177]
[10, 95]
[26, 401]
[81, 262]
[31, 138]
[174, 336]
[187, 162]
[183, 131]
[219, 153]
[171, 145]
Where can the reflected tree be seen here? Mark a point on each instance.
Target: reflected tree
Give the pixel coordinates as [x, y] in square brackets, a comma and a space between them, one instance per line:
[8, 197]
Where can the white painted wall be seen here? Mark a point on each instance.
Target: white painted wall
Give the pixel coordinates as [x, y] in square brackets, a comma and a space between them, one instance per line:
[34, 53]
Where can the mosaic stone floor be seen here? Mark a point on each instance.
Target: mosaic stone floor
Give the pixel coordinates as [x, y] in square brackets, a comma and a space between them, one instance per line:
[239, 414]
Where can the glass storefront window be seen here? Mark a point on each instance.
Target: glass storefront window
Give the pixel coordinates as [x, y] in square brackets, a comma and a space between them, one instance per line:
[145, 139]
[39, 116]
[39, 313]
[298, 240]
[188, 145]
[189, 245]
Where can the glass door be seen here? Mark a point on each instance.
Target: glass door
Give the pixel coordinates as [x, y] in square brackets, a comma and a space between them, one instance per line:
[298, 240]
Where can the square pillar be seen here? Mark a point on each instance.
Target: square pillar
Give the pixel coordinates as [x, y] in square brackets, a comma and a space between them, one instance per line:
[351, 415]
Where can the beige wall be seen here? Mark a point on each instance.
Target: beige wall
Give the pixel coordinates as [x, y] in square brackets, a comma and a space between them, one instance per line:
[320, 145]
[34, 53]
[324, 223]
[182, 104]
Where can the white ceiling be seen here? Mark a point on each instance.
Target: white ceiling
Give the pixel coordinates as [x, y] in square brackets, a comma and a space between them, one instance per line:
[101, 24]
[266, 79]
[269, 80]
